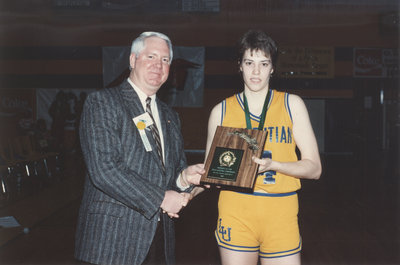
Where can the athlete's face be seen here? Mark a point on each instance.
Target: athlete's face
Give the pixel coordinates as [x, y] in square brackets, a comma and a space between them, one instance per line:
[151, 68]
[256, 69]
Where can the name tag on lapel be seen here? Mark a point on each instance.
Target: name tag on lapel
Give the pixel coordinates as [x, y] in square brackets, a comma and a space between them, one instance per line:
[142, 123]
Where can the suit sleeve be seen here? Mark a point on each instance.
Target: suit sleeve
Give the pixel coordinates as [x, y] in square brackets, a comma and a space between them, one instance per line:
[100, 135]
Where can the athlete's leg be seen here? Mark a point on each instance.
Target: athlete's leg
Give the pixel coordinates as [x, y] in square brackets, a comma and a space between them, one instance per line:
[288, 260]
[230, 257]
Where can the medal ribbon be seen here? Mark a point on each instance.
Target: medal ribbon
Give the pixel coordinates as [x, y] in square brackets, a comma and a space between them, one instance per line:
[263, 112]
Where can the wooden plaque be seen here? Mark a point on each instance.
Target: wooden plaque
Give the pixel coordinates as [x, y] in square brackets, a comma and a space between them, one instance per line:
[229, 162]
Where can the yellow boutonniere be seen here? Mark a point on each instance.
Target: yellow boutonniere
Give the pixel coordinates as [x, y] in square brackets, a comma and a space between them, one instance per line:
[141, 125]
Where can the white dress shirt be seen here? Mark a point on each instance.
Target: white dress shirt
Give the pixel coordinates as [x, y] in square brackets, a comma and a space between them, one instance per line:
[156, 116]
[154, 110]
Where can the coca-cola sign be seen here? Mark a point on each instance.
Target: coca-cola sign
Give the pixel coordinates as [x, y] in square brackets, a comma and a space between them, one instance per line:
[368, 63]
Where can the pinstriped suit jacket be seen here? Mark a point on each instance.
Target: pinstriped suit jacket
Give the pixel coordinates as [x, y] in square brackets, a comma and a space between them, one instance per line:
[124, 184]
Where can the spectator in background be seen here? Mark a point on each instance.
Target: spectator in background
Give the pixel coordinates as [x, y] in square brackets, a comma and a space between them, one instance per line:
[78, 112]
[26, 123]
[70, 130]
[42, 136]
[58, 111]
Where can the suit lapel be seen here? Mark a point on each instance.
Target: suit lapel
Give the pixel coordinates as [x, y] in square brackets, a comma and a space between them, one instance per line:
[131, 100]
[165, 124]
[134, 108]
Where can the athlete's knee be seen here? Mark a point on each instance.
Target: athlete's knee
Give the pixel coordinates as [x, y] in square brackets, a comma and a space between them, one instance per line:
[288, 260]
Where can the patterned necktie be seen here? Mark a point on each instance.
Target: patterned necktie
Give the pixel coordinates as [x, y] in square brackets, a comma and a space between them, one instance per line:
[154, 131]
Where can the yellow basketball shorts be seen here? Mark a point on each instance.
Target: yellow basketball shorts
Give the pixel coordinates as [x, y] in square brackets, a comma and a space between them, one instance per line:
[259, 222]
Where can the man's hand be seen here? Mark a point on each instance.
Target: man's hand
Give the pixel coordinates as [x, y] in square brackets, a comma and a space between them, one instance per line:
[173, 202]
[192, 174]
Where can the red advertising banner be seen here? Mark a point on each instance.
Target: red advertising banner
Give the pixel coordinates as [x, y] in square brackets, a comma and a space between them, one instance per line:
[376, 62]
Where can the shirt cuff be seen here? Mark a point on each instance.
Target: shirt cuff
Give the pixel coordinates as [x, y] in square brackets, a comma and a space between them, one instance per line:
[179, 184]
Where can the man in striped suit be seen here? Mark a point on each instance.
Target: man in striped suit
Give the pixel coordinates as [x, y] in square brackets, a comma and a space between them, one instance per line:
[136, 168]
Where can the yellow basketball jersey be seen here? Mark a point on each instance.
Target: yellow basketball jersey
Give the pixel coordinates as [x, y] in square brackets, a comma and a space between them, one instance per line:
[279, 146]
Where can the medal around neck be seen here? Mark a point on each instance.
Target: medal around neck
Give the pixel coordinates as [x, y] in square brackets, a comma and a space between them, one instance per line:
[229, 162]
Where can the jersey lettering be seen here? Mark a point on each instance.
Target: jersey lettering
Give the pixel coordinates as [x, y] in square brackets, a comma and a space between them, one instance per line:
[226, 234]
[278, 134]
[268, 175]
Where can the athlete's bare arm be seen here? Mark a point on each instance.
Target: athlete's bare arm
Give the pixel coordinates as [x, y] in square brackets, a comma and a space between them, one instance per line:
[309, 166]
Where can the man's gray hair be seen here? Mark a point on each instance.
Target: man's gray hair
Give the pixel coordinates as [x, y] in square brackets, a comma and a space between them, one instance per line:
[138, 43]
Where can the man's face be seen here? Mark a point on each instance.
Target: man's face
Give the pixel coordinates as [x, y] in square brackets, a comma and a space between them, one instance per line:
[256, 69]
[150, 69]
